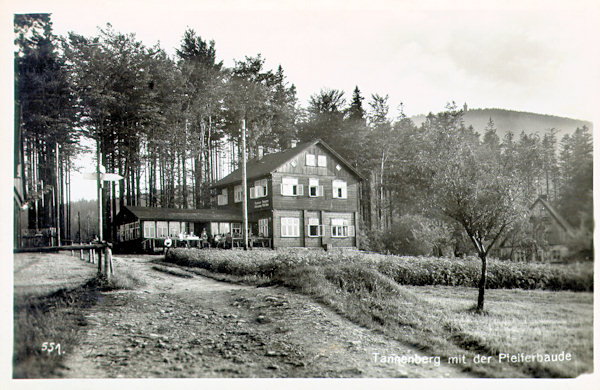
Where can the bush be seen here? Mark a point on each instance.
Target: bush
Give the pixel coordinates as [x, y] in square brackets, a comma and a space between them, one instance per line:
[467, 272]
[407, 270]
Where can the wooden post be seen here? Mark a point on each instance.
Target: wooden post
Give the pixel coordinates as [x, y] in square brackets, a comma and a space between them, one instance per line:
[99, 261]
[91, 256]
[244, 189]
[81, 254]
[107, 263]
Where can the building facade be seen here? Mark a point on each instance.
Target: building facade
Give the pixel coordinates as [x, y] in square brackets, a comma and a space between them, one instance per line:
[306, 196]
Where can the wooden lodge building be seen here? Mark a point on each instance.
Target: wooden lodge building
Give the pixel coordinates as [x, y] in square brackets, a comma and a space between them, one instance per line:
[306, 196]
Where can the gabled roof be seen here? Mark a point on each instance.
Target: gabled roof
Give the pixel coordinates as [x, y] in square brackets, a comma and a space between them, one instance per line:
[552, 211]
[185, 215]
[256, 167]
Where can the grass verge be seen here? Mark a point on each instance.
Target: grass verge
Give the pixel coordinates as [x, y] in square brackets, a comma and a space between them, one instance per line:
[55, 318]
[435, 320]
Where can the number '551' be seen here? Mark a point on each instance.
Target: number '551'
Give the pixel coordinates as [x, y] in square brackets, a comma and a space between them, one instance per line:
[51, 347]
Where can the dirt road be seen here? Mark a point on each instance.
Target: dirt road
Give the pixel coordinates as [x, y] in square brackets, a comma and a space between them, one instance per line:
[192, 326]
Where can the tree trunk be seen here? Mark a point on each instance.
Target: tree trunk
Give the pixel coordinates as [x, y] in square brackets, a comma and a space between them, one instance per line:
[480, 298]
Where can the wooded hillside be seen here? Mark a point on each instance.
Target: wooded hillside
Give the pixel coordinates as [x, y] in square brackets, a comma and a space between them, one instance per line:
[516, 121]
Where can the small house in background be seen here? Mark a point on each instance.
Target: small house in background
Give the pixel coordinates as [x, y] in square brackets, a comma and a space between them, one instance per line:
[552, 229]
[306, 196]
[551, 235]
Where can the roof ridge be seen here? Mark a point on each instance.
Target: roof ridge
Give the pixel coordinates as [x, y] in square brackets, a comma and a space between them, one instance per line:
[272, 161]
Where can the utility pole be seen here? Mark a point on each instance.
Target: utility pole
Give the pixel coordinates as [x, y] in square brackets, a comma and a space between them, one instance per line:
[79, 226]
[99, 184]
[57, 195]
[244, 189]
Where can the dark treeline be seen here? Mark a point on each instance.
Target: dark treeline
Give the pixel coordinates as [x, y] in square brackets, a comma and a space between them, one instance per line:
[171, 128]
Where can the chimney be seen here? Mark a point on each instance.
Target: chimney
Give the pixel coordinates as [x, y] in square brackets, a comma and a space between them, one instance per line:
[293, 143]
[261, 152]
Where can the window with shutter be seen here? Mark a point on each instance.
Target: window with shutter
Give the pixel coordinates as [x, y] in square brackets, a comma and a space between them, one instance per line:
[340, 228]
[339, 189]
[313, 187]
[290, 187]
[260, 188]
[314, 229]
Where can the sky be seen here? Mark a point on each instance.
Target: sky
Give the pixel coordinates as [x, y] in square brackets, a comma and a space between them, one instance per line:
[528, 55]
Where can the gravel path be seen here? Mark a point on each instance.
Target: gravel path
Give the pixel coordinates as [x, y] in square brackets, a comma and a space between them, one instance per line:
[192, 326]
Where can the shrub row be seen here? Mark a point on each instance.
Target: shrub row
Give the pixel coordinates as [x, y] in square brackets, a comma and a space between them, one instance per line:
[405, 270]
[422, 271]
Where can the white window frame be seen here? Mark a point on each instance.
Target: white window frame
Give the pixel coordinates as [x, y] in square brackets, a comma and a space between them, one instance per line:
[322, 160]
[339, 189]
[263, 227]
[224, 228]
[174, 226]
[238, 194]
[341, 228]
[290, 227]
[214, 228]
[261, 188]
[236, 229]
[314, 222]
[311, 160]
[149, 229]
[290, 187]
[314, 184]
[162, 229]
[222, 198]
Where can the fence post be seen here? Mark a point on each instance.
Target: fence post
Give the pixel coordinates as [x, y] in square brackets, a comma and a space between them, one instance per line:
[107, 262]
[99, 261]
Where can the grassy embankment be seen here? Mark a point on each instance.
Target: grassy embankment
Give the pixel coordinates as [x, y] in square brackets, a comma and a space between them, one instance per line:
[52, 293]
[528, 307]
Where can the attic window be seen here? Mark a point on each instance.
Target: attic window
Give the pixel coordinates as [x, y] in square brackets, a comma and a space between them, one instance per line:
[293, 163]
[338, 167]
[322, 161]
[310, 160]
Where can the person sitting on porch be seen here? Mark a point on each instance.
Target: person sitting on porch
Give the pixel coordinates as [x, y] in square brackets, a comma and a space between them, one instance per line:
[204, 239]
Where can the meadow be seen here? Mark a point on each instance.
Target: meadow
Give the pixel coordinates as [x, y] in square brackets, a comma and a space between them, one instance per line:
[429, 302]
